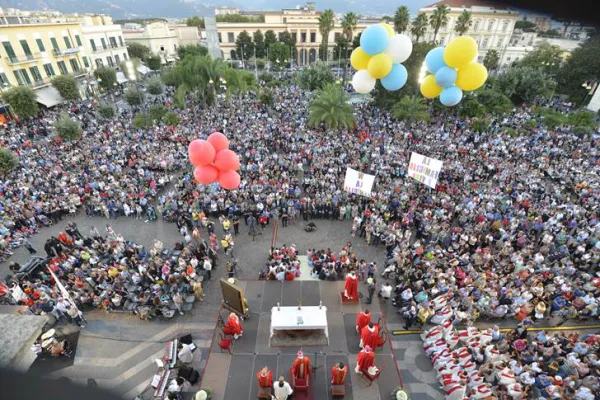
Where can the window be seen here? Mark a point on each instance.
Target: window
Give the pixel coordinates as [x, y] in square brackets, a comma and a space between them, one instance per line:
[67, 42]
[54, 43]
[124, 56]
[336, 36]
[121, 41]
[280, 36]
[4, 80]
[484, 43]
[313, 37]
[103, 43]
[117, 59]
[78, 40]
[110, 61]
[476, 25]
[230, 37]
[508, 58]
[93, 44]
[86, 63]
[74, 64]
[303, 37]
[99, 62]
[62, 67]
[9, 50]
[220, 39]
[162, 48]
[25, 47]
[35, 73]
[22, 77]
[504, 25]
[174, 46]
[40, 45]
[491, 25]
[49, 69]
[294, 37]
[499, 42]
[113, 42]
[442, 39]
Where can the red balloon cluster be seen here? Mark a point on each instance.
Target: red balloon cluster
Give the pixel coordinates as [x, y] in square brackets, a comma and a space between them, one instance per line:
[214, 161]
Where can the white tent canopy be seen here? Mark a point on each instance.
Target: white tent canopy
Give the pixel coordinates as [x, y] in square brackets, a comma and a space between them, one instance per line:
[142, 69]
[121, 77]
[48, 96]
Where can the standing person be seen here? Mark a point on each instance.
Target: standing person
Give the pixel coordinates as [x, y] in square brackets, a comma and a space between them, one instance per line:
[252, 225]
[207, 267]
[282, 389]
[338, 374]
[284, 218]
[29, 246]
[371, 285]
[178, 300]
[236, 225]
[410, 315]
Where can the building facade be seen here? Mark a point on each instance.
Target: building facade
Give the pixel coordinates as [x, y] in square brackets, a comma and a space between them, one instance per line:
[492, 26]
[161, 38]
[302, 23]
[105, 41]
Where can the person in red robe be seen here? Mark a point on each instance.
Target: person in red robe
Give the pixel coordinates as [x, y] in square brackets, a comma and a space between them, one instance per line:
[301, 366]
[265, 378]
[338, 374]
[351, 286]
[363, 319]
[365, 360]
[369, 336]
[233, 327]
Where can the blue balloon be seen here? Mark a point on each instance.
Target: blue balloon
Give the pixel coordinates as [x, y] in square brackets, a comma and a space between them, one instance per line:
[374, 40]
[445, 77]
[396, 78]
[451, 96]
[434, 60]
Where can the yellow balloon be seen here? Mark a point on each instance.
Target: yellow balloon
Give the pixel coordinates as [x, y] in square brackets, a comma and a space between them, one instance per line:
[388, 28]
[460, 52]
[429, 88]
[359, 59]
[380, 65]
[471, 77]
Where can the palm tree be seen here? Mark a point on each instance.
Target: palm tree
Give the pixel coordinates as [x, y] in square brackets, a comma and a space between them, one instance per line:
[439, 19]
[330, 107]
[419, 26]
[349, 22]
[412, 108]
[401, 19]
[463, 23]
[326, 24]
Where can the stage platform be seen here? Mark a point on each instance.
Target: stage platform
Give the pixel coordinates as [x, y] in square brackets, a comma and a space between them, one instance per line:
[232, 377]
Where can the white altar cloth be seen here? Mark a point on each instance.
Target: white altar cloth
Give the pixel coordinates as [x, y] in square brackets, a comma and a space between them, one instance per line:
[289, 318]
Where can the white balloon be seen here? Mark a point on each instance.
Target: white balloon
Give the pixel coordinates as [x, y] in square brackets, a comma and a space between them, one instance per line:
[362, 82]
[399, 48]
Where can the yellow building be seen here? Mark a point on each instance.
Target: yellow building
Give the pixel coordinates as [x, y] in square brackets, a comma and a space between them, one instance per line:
[302, 23]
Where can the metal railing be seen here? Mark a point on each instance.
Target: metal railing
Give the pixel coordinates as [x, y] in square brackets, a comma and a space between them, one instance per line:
[24, 58]
[38, 83]
[65, 52]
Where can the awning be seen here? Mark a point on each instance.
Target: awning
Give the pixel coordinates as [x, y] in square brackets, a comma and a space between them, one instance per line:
[121, 77]
[142, 69]
[48, 96]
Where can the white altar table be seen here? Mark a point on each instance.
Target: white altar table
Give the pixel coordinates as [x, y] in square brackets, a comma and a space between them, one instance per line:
[307, 318]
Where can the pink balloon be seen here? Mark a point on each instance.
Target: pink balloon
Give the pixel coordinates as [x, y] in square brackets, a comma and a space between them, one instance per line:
[218, 140]
[229, 180]
[227, 160]
[201, 152]
[206, 174]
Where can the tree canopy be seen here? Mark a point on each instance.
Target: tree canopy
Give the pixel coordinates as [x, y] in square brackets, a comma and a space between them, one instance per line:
[545, 56]
[259, 43]
[155, 86]
[8, 161]
[524, 84]
[106, 76]
[315, 77]
[137, 50]
[491, 60]
[439, 19]
[195, 21]
[326, 24]
[66, 128]
[330, 107]
[191, 50]
[240, 18]
[244, 48]
[349, 23]
[66, 86]
[411, 107]
[153, 62]
[401, 19]
[133, 96]
[582, 66]
[526, 26]
[463, 23]
[419, 26]
[22, 101]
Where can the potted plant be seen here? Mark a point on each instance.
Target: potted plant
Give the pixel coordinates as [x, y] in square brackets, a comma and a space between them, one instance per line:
[399, 394]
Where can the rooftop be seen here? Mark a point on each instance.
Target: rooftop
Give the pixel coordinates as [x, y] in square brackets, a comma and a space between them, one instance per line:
[469, 4]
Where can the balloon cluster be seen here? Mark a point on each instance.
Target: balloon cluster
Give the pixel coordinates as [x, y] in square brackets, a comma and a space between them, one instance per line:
[214, 161]
[379, 56]
[453, 70]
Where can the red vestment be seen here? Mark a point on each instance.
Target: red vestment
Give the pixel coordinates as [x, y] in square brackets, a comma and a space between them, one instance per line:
[369, 338]
[351, 287]
[234, 326]
[362, 320]
[301, 367]
[265, 381]
[338, 376]
[365, 360]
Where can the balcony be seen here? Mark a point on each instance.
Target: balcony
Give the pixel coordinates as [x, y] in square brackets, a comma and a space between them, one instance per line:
[65, 52]
[39, 83]
[24, 59]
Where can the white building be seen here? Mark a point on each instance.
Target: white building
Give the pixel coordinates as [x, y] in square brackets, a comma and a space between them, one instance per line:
[156, 36]
[187, 35]
[492, 27]
[522, 43]
[105, 41]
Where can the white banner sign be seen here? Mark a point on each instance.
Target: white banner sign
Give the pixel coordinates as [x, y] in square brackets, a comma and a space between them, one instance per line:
[424, 169]
[358, 183]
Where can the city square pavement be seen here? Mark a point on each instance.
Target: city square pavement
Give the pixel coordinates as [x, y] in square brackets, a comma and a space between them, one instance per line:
[118, 349]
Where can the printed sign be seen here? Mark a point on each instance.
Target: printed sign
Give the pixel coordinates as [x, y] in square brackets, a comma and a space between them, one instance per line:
[424, 169]
[358, 183]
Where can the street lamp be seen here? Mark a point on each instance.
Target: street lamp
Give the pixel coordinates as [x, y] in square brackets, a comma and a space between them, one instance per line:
[132, 76]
